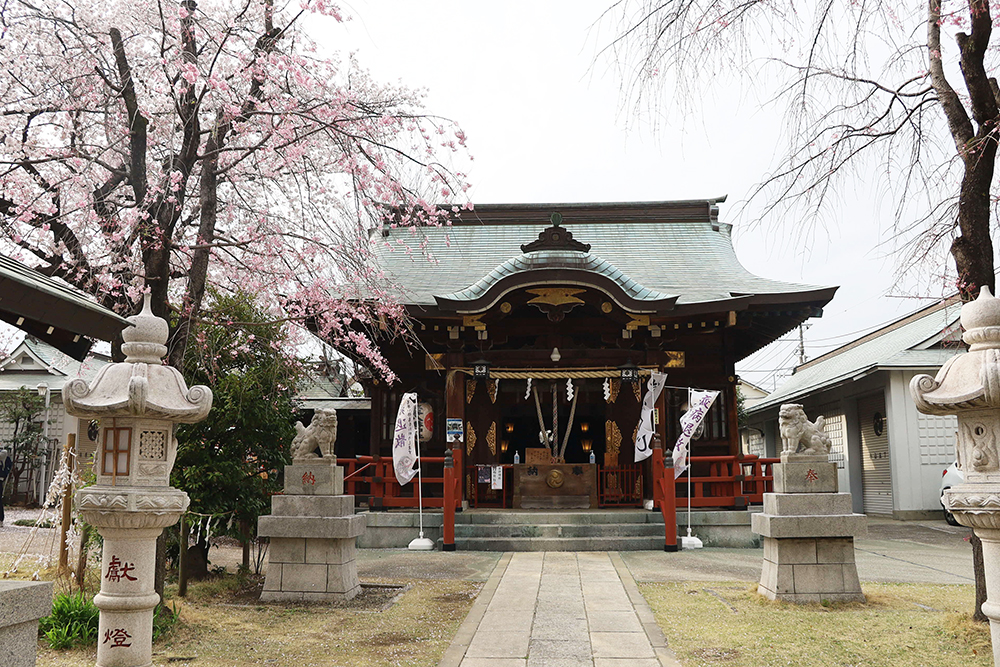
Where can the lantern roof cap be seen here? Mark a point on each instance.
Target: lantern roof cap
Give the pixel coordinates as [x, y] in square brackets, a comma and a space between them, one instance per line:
[969, 381]
[142, 385]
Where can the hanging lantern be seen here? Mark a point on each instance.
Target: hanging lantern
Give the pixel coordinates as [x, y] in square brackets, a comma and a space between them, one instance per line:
[425, 414]
[481, 370]
[630, 372]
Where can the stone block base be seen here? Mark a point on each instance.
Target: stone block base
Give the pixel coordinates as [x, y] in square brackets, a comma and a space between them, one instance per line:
[313, 540]
[804, 525]
[318, 478]
[810, 570]
[811, 476]
[22, 603]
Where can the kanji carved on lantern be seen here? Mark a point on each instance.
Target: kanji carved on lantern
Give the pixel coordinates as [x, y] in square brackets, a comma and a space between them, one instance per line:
[968, 386]
[138, 402]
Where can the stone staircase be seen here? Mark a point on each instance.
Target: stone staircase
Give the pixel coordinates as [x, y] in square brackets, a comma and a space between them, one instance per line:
[513, 530]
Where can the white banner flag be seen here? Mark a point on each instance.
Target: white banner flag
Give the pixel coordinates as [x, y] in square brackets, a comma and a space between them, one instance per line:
[700, 401]
[404, 446]
[644, 436]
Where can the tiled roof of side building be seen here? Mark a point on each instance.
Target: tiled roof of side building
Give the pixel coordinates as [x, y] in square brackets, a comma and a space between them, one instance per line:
[58, 368]
[656, 247]
[903, 344]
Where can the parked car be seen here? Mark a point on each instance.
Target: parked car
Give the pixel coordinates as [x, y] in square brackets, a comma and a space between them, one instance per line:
[949, 478]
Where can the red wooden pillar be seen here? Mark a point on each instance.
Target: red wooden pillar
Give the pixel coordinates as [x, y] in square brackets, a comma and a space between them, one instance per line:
[448, 543]
[664, 495]
[455, 409]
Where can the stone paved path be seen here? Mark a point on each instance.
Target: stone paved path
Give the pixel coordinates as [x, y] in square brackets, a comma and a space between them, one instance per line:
[558, 609]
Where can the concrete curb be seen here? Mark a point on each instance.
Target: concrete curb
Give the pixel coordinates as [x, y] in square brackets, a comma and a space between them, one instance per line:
[645, 614]
[460, 644]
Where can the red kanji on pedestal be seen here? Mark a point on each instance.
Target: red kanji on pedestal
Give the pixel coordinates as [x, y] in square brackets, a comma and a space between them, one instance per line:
[117, 570]
[308, 478]
[118, 636]
[811, 475]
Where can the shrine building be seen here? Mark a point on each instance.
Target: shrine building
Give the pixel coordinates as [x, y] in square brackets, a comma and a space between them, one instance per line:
[549, 317]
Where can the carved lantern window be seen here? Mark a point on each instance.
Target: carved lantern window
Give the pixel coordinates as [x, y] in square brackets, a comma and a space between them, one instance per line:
[116, 452]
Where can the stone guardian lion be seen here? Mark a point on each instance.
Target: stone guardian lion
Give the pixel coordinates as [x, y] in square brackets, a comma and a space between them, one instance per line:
[799, 435]
[321, 434]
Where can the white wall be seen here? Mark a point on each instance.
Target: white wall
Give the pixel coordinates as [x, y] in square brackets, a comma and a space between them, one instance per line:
[922, 446]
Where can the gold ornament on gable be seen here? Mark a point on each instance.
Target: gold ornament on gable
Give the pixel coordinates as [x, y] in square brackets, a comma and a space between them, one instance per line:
[470, 440]
[556, 296]
[491, 438]
[613, 437]
[470, 390]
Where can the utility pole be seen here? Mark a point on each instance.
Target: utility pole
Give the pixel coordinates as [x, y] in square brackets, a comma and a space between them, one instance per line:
[802, 342]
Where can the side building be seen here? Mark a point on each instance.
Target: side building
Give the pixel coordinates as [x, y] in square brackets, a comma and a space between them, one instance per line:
[889, 455]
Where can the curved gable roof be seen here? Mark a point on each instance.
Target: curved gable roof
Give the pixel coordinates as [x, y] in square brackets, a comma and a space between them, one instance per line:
[677, 250]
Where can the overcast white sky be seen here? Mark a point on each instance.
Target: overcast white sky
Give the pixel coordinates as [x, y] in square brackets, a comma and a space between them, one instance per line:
[546, 126]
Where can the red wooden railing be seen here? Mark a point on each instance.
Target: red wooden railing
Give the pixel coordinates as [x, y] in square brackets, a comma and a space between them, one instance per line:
[481, 494]
[724, 482]
[372, 478]
[758, 477]
[620, 486]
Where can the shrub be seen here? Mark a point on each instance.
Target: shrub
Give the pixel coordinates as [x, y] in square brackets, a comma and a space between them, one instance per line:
[74, 620]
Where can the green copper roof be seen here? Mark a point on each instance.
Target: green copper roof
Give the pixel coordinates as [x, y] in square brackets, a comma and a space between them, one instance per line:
[651, 248]
[557, 259]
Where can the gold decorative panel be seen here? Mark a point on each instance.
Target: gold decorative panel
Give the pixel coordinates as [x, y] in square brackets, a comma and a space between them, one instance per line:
[675, 358]
[470, 390]
[491, 388]
[637, 390]
[613, 437]
[616, 386]
[606, 307]
[470, 439]
[491, 438]
[474, 321]
[556, 296]
[434, 362]
[505, 307]
[636, 321]
[635, 434]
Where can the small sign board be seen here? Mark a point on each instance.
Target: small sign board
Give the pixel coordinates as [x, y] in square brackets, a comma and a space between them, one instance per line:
[537, 455]
[455, 430]
[497, 478]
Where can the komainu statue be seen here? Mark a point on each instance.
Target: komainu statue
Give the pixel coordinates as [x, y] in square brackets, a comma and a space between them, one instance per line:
[799, 435]
[321, 434]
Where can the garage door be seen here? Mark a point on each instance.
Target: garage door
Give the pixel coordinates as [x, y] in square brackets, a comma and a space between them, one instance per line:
[876, 477]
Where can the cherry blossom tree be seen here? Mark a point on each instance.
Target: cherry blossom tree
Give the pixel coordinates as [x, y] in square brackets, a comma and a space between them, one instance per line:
[863, 85]
[165, 146]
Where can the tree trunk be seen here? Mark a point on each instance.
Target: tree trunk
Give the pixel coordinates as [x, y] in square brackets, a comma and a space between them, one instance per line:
[979, 570]
[160, 572]
[245, 538]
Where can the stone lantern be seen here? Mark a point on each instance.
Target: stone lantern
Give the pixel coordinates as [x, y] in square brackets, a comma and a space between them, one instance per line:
[138, 402]
[968, 386]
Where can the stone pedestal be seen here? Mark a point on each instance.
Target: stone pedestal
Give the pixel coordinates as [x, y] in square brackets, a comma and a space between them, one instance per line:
[138, 402]
[808, 530]
[968, 386]
[22, 603]
[313, 529]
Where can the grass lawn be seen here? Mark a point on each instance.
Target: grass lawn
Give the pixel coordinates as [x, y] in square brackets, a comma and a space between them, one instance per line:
[221, 627]
[901, 625]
